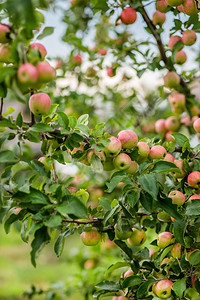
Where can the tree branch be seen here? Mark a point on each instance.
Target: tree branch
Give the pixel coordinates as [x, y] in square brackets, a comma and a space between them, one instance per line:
[1, 108]
[99, 220]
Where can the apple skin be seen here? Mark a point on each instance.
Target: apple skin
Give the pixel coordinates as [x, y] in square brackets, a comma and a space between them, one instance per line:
[137, 237]
[180, 8]
[177, 197]
[143, 149]
[164, 239]
[122, 298]
[177, 102]
[194, 179]
[128, 15]
[122, 235]
[163, 288]
[157, 152]
[90, 238]
[176, 251]
[5, 54]
[133, 168]
[161, 5]
[174, 2]
[128, 139]
[4, 30]
[196, 125]
[173, 40]
[158, 18]
[128, 273]
[169, 137]
[77, 60]
[172, 123]
[160, 126]
[39, 104]
[122, 161]
[189, 37]
[169, 158]
[196, 196]
[179, 164]
[180, 57]
[189, 8]
[45, 72]
[110, 72]
[42, 50]
[171, 80]
[27, 74]
[113, 148]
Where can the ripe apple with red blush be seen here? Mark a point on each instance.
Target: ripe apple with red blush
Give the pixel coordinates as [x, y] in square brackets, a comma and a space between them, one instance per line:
[189, 37]
[113, 148]
[160, 126]
[128, 15]
[194, 179]
[161, 5]
[91, 237]
[157, 152]
[162, 288]
[27, 74]
[164, 239]
[158, 18]
[177, 197]
[171, 79]
[41, 49]
[39, 104]
[128, 139]
[46, 72]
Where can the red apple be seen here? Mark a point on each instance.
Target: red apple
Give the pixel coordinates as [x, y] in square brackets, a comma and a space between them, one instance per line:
[161, 5]
[110, 72]
[102, 51]
[137, 238]
[77, 59]
[122, 161]
[177, 101]
[194, 179]
[157, 152]
[196, 196]
[158, 18]
[4, 32]
[171, 80]
[172, 123]
[163, 288]
[39, 104]
[45, 72]
[42, 50]
[174, 39]
[160, 126]
[189, 37]
[196, 125]
[177, 197]
[143, 149]
[169, 158]
[180, 57]
[190, 8]
[164, 239]
[169, 137]
[27, 74]
[179, 164]
[114, 147]
[91, 238]
[128, 15]
[128, 139]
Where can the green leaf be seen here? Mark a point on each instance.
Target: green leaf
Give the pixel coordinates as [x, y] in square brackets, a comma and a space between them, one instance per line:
[109, 214]
[19, 120]
[63, 119]
[5, 72]
[116, 266]
[132, 197]
[38, 167]
[7, 156]
[41, 238]
[33, 136]
[131, 281]
[179, 286]
[41, 127]
[194, 258]
[54, 221]
[114, 182]
[179, 230]
[20, 166]
[35, 197]
[143, 289]
[108, 285]
[180, 138]
[171, 209]
[59, 244]
[98, 130]
[83, 129]
[46, 31]
[12, 218]
[124, 248]
[146, 200]
[193, 208]
[73, 205]
[83, 119]
[149, 184]
[72, 122]
[164, 166]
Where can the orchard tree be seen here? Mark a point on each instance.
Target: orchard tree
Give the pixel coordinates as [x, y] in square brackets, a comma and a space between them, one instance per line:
[133, 173]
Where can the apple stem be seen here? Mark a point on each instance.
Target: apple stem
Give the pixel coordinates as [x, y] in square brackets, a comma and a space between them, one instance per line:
[1, 108]
[55, 175]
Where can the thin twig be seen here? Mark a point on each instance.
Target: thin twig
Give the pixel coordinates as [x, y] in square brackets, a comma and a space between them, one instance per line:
[1, 108]
[99, 220]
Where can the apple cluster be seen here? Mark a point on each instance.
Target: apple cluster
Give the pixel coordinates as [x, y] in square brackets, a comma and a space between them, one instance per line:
[167, 126]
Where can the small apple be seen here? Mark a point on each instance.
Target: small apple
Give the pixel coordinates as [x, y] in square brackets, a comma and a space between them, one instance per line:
[91, 238]
[39, 104]
[143, 149]
[174, 39]
[174, 2]
[41, 49]
[128, 139]
[161, 5]
[177, 101]
[169, 137]
[171, 80]
[179, 164]
[137, 238]
[163, 288]
[122, 235]
[5, 54]
[190, 8]
[189, 37]
[177, 197]
[194, 179]
[196, 196]
[113, 148]
[77, 59]
[176, 251]
[196, 125]
[4, 32]
[157, 152]
[27, 74]
[122, 161]
[180, 57]
[128, 15]
[102, 51]
[89, 264]
[169, 158]
[128, 273]
[164, 239]
[110, 72]
[194, 110]
[133, 168]
[172, 123]
[158, 18]
[45, 72]
[160, 126]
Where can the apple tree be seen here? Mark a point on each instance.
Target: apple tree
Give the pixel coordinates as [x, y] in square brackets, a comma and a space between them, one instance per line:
[104, 159]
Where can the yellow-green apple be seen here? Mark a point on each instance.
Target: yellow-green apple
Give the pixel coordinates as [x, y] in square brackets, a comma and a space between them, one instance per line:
[39, 104]
[174, 2]
[133, 168]
[163, 288]
[45, 71]
[128, 273]
[161, 5]
[196, 125]
[5, 54]
[122, 161]
[180, 57]
[190, 8]
[176, 251]
[177, 197]
[102, 51]
[189, 37]
[196, 196]
[128, 139]
[177, 101]
[194, 110]
[4, 32]
[137, 238]
[164, 239]
[163, 216]
[172, 123]
[27, 74]
[157, 151]
[128, 15]
[41, 49]
[122, 235]
[171, 79]
[174, 39]
[194, 179]
[160, 126]
[158, 18]
[113, 148]
[91, 238]
[77, 59]
[169, 158]
[143, 149]
[169, 137]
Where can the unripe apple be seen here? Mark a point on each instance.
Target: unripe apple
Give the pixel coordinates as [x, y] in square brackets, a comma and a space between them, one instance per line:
[164, 239]
[158, 18]
[102, 51]
[45, 71]
[171, 79]
[5, 54]
[122, 161]
[190, 8]
[143, 149]
[189, 37]
[174, 39]
[4, 31]
[177, 101]
[27, 74]
[77, 59]
[194, 179]
[114, 147]
[179, 164]
[157, 152]
[122, 235]
[160, 126]
[174, 2]
[194, 110]
[169, 158]
[128, 139]
[133, 168]
[177, 197]
[196, 196]
[42, 50]
[137, 238]
[128, 15]
[169, 137]
[91, 238]
[172, 123]
[196, 125]
[110, 72]
[163, 288]
[163, 216]
[176, 251]
[180, 57]
[39, 104]
[161, 5]
[128, 273]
